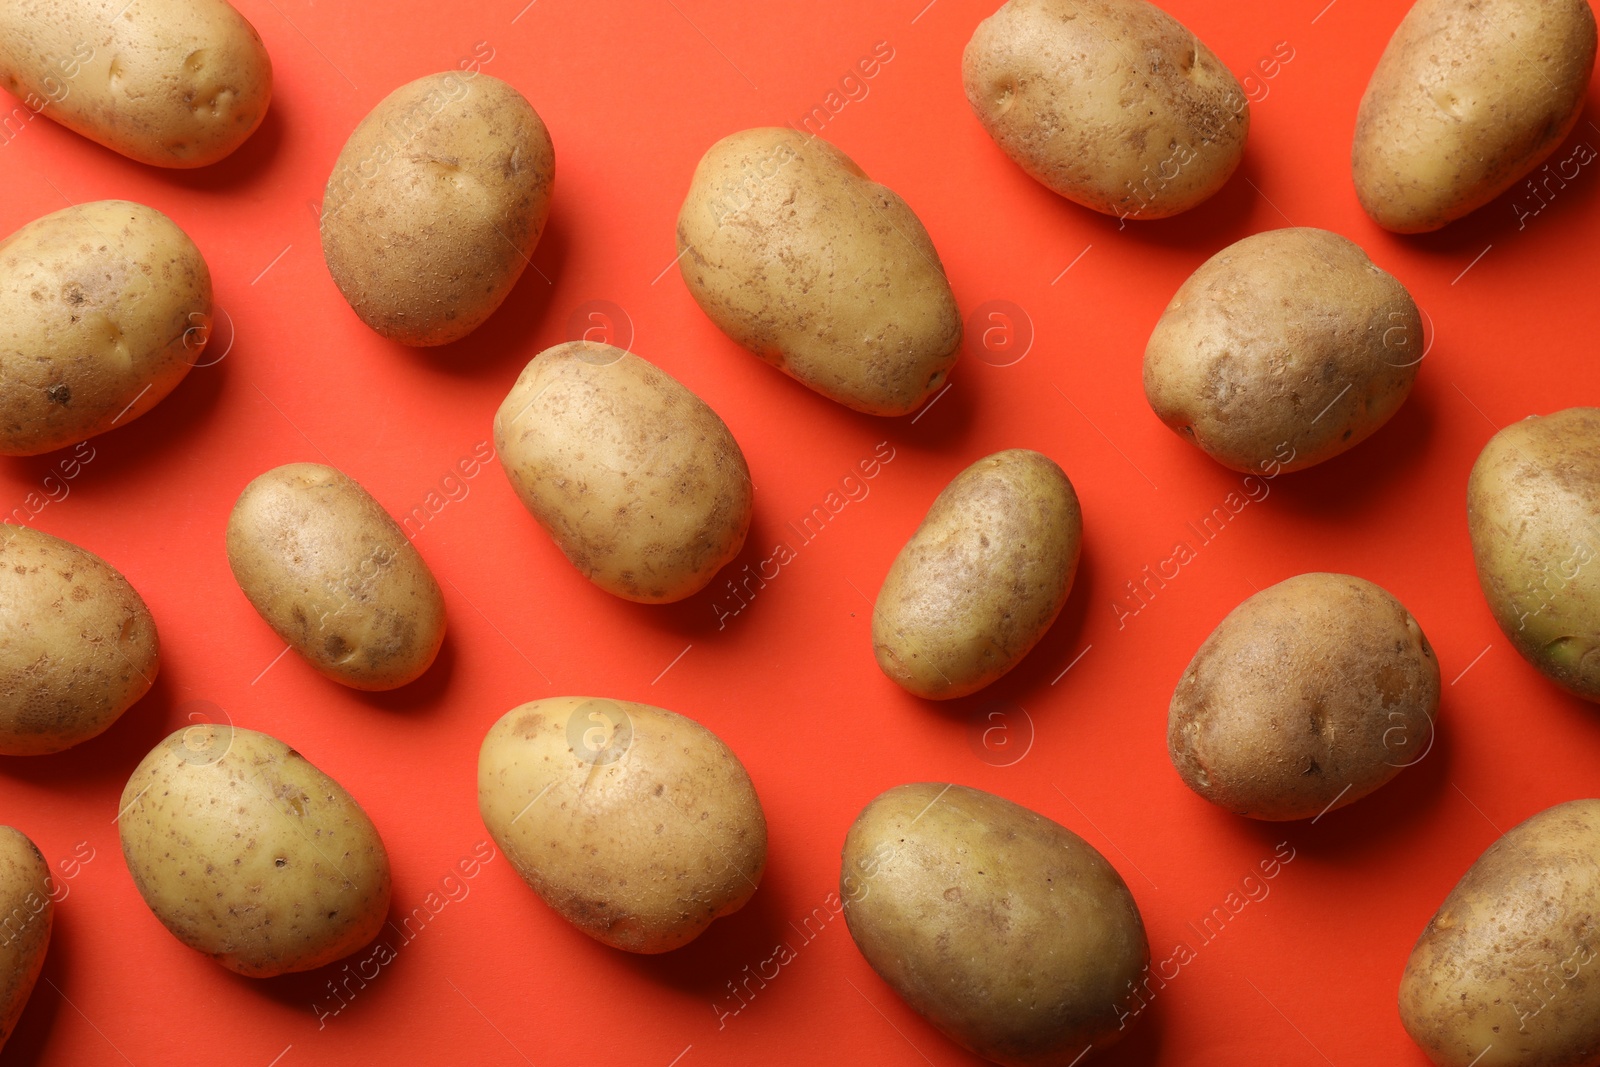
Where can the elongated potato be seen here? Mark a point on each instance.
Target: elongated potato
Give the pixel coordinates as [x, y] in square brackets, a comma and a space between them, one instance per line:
[27, 914]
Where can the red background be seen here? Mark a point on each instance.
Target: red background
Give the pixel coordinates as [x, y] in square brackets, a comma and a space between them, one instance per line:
[633, 94]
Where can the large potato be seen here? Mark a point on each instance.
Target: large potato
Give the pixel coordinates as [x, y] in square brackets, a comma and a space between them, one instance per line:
[1467, 99]
[104, 307]
[436, 204]
[1283, 350]
[982, 578]
[27, 912]
[1533, 512]
[801, 258]
[639, 482]
[249, 854]
[77, 644]
[335, 576]
[1112, 104]
[1006, 930]
[638, 826]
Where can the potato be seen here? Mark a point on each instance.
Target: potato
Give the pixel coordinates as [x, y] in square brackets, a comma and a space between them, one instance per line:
[1112, 104]
[1504, 973]
[335, 577]
[1307, 697]
[792, 251]
[982, 578]
[27, 912]
[77, 644]
[639, 482]
[172, 83]
[436, 204]
[1007, 931]
[104, 307]
[1533, 512]
[249, 854]
[1467, 99]
[1283, 350]
[638, 826]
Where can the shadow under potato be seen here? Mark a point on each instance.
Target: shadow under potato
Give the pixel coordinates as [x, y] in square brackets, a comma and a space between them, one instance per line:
[108, 759]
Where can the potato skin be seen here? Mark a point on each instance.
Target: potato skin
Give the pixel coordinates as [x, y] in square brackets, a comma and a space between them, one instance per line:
[792, 251]
[428, 244]
[1282, 351]
[1309, 696]
[1112, 104]
[335, 576]
[983, 577]
[27, 914]
[637, 825]
[104, 307]
[638, 481]
[1533, 513]
[1508, 963]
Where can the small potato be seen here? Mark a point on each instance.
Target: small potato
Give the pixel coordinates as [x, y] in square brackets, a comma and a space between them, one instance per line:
[982, 578]
[77, 644]
[27, 912]
[104, 307]
[638, 826]
[1467, 99]
[436, 204]
[1283, 350]
[792, 251]
[335, 577]
[639, 482]
[1309, 696]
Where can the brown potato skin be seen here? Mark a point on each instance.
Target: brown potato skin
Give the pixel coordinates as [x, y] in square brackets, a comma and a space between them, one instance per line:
[1533, 513]
[1282, 351]
[1309, 696]
[983, 577]
[27, 915]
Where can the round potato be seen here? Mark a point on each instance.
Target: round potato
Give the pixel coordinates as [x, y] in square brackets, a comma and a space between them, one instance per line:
[792, 251]
[638, 826]
[104, 307]
[436, 204]
[1283, 350]
[639, 482]
[27, 913]
[335, 577]
[982, 578]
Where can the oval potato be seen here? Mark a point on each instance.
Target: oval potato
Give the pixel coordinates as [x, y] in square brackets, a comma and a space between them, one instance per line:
[27, 914]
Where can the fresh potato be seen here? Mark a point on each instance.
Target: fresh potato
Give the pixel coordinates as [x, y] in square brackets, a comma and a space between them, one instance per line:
[639, 482]
[1112, 104]
[249, 854]
[104, 307]
[1307, 697]
[1533, 511]
[335, 576]
[27, 912]
[1007, 931]
[1283, 350]
[1467, 99]
[792, 251]
[1504, 973]
[982, 578]
[638, 826]
[436, 204]
[77, 644]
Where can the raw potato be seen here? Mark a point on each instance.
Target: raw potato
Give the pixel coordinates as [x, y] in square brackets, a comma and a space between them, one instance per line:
[792, 251]
[249, 854]
[104, 307]
[172, 83]
[1307, 697]
[27, 912]
[335, 577]
[982, 578]
[1504, 974]
[436, 204]
[77, 644]
[638, 826]
[1283, 350]
[1467, 99]
[1112, 104]
[1007, 931]
[639, 482]
[1533, 511]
